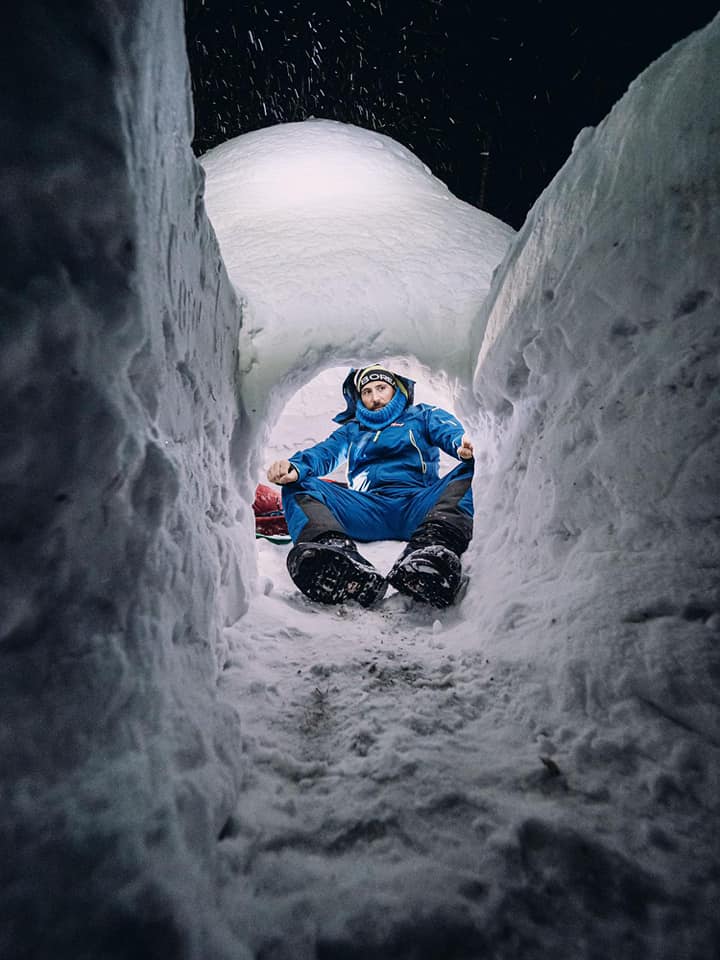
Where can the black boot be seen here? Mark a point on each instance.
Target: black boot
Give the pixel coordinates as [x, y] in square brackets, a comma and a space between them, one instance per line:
[429, 568]
[329, 569]
[432, 574]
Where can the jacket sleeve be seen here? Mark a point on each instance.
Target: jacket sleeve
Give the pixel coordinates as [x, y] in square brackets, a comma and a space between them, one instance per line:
[324, 457]
[444, 430]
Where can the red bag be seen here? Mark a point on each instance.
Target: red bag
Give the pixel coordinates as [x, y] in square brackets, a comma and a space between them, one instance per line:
[269, 517]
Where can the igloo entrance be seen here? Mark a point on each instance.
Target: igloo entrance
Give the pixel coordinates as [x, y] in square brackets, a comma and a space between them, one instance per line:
[307, 416]
[306, 419]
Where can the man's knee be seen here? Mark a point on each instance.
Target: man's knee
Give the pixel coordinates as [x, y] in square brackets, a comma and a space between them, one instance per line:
[319, 518]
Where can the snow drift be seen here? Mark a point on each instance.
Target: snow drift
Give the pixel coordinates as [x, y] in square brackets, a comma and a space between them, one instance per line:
[599, 372]
[344, 247]
[121, 551]
[536, 773]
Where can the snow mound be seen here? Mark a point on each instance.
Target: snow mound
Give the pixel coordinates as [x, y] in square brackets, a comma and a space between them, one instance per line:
[344, 247]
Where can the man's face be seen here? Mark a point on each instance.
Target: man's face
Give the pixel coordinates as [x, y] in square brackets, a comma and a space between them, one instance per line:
[376, 395]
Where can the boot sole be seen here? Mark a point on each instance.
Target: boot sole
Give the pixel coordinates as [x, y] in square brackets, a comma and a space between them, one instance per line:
[423, 582]
[331, 576]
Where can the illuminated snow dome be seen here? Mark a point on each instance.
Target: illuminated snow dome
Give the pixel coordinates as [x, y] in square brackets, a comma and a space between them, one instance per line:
[345, 248]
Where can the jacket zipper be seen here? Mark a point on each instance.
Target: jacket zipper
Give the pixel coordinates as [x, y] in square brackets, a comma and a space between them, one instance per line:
[376, 436]
[412, 441]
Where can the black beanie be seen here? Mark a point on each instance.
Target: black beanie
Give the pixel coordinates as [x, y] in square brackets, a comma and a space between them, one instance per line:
[374, 373]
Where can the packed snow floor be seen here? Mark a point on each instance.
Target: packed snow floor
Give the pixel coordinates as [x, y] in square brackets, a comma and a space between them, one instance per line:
[374, 732]
[400, 790]
[409, 784]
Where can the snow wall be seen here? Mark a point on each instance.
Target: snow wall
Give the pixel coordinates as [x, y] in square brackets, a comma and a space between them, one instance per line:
[119, 520]
[120, 363]
[597, 536]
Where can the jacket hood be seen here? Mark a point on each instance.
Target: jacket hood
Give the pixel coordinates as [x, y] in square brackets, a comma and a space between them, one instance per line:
[351, 395]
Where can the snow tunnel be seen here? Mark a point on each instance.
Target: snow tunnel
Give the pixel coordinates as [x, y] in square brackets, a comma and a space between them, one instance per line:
[192, 771]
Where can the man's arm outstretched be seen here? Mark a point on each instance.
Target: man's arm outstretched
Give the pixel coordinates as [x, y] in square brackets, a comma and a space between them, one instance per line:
[315, 461]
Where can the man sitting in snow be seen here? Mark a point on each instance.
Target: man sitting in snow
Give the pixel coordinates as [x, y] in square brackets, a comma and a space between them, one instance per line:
[394, 493]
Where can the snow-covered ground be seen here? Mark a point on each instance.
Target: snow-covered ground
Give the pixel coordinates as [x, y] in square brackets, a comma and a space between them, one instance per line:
[199, 763]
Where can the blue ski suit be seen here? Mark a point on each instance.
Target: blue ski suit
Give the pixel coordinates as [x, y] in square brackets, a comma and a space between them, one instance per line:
[393, 481]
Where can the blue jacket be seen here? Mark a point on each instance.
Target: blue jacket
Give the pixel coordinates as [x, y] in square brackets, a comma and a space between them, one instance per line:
[403, 454]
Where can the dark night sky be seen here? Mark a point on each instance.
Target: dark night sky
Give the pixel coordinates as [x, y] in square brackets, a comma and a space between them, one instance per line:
[489, 96]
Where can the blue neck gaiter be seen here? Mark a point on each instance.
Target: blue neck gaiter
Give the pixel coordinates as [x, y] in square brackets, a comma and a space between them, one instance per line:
[377, 419]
